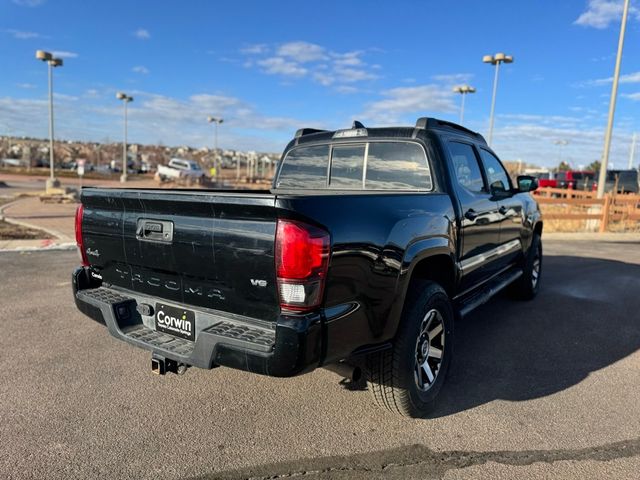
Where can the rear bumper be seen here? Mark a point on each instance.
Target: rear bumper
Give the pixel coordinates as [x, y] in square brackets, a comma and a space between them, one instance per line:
[288, 347]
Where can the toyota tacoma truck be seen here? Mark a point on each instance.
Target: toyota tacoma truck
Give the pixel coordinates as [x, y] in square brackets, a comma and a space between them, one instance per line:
[369, 246]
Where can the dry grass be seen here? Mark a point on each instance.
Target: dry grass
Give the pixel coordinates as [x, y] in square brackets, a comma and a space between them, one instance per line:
[9, 231]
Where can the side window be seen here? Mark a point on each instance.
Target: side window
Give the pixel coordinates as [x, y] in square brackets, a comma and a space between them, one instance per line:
[497, 176]
[347, 164]
[466, 168]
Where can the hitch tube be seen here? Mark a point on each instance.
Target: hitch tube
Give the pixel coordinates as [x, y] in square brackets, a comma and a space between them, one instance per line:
[161, 365]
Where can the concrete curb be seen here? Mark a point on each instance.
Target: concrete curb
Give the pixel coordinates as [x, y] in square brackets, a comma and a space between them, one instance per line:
[54, 233]
[627, 237]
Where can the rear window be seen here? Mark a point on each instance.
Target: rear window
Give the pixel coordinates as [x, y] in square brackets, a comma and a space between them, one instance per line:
[347, 166]
[305, 168]
[397, 166]
[372, 166]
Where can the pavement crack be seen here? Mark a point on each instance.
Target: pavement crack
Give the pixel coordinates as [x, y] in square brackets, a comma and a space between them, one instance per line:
[430, 464]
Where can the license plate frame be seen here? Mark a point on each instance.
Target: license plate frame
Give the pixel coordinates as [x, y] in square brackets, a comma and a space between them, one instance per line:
[176, 321]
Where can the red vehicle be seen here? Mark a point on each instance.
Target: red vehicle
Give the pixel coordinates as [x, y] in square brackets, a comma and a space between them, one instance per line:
[546, 179]
[576, 180]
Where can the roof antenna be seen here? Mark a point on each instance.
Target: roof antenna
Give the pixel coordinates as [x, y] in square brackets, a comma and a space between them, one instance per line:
[357, 124]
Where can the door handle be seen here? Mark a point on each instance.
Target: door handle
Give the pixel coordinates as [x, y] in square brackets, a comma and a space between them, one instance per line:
[503, 210]
[154, 230]
[471, 214]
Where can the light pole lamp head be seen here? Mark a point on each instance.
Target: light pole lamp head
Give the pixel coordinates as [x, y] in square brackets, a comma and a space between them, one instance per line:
[120, 96]
[44, 56]
[488, 59]
[129, 99]
[508, 59]
[457, 89]
[499, 57]
[56, 62]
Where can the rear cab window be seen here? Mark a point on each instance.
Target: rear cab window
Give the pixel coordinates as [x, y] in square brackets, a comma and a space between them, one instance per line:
[370, 166]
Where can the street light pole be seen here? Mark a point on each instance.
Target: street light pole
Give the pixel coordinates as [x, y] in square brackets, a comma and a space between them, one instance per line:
[463, 90]
[496, 60]
[632, 151]
[602, 178]
[561, 144]
[126, 99]
[52, 62]
[216, 121]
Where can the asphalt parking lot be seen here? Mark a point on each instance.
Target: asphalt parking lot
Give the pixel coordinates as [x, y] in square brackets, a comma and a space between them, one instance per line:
[538, 389]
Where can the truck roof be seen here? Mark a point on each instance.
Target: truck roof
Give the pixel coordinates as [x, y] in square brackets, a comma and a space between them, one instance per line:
[358, 130]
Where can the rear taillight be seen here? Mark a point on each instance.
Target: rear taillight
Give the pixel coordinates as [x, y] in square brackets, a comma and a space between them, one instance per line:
[302, 259]
[79, 241]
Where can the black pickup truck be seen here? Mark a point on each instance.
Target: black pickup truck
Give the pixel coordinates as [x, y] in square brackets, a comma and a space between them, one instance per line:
[369, 245]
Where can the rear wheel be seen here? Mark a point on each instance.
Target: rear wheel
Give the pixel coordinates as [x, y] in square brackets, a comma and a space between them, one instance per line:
[407, 378]
[527, 286]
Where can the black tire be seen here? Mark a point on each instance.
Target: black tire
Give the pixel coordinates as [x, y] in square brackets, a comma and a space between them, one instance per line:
[392, 374]
[527, 286]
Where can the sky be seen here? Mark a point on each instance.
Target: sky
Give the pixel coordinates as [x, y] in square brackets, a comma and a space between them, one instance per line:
[269, 68]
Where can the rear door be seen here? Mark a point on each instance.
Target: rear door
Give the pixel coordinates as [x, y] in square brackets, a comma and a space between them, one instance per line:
[480, 223]
[205, 249]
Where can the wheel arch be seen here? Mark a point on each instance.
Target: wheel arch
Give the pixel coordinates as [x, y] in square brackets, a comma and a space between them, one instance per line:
[437, 264]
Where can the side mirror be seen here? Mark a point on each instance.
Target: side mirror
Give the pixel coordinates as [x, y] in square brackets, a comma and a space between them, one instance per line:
[527, 183]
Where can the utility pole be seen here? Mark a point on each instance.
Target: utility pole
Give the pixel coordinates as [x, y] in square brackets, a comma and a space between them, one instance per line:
[632, 151]
[602, 178]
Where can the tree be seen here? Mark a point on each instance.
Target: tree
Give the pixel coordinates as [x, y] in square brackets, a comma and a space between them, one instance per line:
[563, 167]
[594, 166]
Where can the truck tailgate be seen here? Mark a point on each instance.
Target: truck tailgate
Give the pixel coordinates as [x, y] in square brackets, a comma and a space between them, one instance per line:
[206, 249]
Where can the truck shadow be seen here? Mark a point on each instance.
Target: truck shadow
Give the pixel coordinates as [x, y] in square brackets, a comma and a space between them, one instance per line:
[585, 317]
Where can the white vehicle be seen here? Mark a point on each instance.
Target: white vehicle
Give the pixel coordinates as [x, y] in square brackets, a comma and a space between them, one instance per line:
[181, 169]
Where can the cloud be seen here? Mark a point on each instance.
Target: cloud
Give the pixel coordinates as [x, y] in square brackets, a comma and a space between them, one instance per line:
[142, 34]
[255, 49]
[303, 59]
[140, 69]
[28, 3]
[64, 54]
[280, 66]
[632, 96]
[348, 59]
[91, 93]
[401, 101]
[26, 86]
[24, 35]
[153, 118]
[302, 52]
[453, 78]
[533, 142]
[601, 13]
[349, 75]
[346, 89]
[626, 78]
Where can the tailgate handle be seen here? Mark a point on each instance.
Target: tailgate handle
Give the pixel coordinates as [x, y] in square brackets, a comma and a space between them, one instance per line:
[154, 230]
